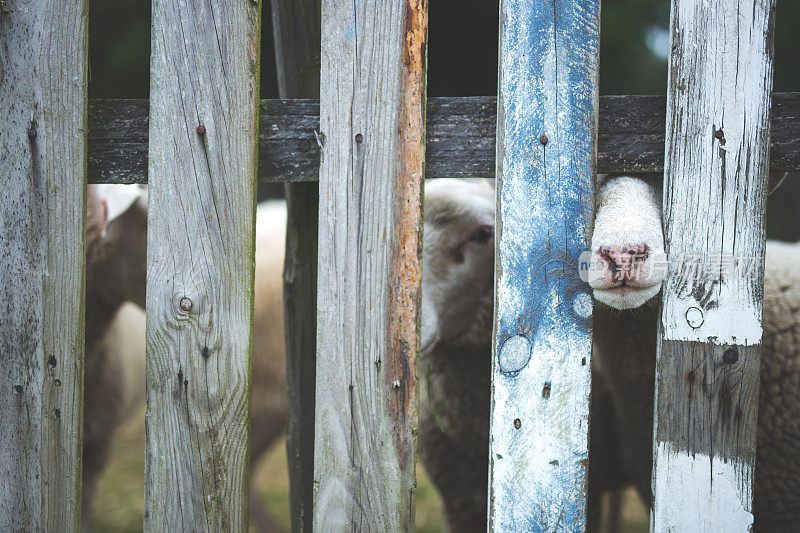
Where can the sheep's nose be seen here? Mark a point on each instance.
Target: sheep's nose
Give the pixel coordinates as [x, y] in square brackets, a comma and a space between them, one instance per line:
[624, 257]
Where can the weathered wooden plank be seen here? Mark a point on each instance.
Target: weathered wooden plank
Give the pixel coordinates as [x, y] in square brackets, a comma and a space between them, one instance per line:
[460, 137]
[720, 80]
[297, 59]
[202, 167]
[546, 146]
[372, 128]
[43, 69]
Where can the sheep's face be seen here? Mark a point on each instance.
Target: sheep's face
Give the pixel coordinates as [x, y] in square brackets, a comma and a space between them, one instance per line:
[627, 252]
[458, 262]
[117, 253]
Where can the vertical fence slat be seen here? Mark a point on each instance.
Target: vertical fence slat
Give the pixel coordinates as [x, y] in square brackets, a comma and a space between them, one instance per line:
[546, 146]
[372, 97]
[202, 171]
[43, 66]
[297, 57]
[716, 163]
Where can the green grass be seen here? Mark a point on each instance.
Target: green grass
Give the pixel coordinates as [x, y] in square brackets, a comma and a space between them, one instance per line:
[119, 502]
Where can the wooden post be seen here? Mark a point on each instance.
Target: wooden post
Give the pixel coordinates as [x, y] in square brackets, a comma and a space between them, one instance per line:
[202, 167]
[297, 60]
[43, 67]
[373, 132]
[718, 111]
[546, 146]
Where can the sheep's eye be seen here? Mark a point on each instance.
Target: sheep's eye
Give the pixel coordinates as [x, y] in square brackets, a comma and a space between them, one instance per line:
[482, 235]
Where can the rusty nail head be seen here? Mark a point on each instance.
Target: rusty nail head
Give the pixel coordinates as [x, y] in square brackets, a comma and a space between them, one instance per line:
[543, 139]
[32, 133]
[359, 138]
[305, 146]
[201, 130]
[186, 304]
[719, 134]
[517, 423]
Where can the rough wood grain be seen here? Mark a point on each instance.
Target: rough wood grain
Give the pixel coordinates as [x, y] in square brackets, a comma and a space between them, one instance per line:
[718, 124]
[546, 146]
[204, 72]
[297, 59]
[372, 131]
[43, 69]
[460, 137]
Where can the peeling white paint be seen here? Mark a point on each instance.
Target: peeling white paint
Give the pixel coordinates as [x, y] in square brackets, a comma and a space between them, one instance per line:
[700, 493]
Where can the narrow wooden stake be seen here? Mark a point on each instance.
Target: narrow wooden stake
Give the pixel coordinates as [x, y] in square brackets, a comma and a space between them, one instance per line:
[546, 147]
[297, 58]
[43, 67]
[202, 170]
[372, 97]
[718, 120]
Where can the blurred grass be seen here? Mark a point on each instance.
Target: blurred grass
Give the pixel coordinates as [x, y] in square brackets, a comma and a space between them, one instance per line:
[119, 502]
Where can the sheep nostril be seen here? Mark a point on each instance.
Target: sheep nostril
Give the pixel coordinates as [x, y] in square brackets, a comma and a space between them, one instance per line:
[624, 257]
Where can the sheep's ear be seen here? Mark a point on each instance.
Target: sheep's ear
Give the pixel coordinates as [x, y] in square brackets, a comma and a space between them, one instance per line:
[775, 180]
[115, 200]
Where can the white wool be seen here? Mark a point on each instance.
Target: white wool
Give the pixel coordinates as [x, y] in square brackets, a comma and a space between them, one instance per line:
[456, 270]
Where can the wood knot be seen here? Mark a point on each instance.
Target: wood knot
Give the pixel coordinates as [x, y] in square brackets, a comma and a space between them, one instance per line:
[51, 362]
[730, 356]
[185, 304]
[546, 390]
[695, 317]
[517, 423]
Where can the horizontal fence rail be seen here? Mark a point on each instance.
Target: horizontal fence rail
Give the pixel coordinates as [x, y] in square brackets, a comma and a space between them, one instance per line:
[460, 137]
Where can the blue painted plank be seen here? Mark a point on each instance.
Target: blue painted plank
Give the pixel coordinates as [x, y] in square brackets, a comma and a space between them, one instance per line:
[546, 147]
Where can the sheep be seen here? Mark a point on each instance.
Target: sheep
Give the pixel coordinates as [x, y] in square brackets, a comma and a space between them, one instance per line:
[457, 313]
[457, 293]
[115, 273]
[625, 346]
[114, 376]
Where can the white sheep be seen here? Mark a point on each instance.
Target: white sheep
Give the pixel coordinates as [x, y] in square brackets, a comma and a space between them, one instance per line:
[457, 306]
[114, 377]
[115, 273]
[624, 347]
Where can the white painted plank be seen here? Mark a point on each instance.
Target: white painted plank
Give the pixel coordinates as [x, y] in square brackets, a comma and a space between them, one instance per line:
[716, 165]
[203, 135]
[546, 148]
[43, 67]
[372, 95]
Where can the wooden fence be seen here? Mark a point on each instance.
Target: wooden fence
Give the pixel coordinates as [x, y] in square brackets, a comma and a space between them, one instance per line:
[353, 346]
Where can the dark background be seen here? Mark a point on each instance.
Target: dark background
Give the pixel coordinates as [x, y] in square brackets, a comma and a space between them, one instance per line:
[462, 60]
